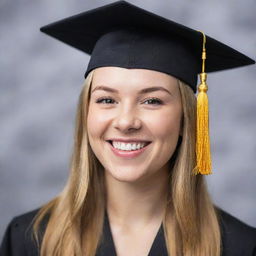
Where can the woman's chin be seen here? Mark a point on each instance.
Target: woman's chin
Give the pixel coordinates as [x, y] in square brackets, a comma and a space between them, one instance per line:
[130, 176]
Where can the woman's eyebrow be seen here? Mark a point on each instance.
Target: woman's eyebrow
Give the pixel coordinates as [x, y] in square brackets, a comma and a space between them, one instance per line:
[143, 91]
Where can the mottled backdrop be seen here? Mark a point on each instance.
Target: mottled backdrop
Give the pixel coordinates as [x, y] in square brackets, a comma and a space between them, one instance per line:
[41, 78]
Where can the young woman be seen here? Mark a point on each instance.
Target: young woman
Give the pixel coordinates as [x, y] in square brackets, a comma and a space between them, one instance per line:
[132, 189]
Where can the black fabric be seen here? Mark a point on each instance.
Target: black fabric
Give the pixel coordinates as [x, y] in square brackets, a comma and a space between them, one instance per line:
[107, 246]
[124, 35]
[18, 238]
[238, 238]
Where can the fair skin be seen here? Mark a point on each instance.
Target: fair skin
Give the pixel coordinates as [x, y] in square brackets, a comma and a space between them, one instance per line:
[137, 186]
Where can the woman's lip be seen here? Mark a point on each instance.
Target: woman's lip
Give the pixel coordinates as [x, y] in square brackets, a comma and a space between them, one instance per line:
[129, 153]
[132, 141]
[129, 141]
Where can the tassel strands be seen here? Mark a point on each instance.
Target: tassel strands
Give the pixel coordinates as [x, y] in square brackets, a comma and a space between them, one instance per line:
[203, 154]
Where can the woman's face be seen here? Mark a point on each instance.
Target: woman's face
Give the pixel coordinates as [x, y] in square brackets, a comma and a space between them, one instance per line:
[130, 108]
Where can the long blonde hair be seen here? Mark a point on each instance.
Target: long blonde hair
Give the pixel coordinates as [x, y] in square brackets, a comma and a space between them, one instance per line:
[75, 217]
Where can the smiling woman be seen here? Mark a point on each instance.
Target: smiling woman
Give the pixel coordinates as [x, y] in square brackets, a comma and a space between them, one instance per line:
[130, 118]
[140, 138]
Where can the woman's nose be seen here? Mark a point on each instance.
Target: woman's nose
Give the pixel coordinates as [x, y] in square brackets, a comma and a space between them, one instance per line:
[127, 120]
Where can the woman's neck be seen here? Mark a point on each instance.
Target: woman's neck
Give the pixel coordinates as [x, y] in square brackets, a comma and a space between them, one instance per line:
[139, 203]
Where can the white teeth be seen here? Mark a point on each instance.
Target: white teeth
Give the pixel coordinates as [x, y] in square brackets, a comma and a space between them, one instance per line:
[128, 146]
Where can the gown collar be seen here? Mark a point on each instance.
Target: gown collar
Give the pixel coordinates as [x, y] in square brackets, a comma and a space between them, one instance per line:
[107, 247]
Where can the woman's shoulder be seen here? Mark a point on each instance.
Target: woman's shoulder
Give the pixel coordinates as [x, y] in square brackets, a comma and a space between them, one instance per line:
[238, 238]
[24, 220]
[18, 238]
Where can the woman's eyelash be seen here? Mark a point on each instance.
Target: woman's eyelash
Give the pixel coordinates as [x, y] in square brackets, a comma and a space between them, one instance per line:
[104, 101]
[159, 102]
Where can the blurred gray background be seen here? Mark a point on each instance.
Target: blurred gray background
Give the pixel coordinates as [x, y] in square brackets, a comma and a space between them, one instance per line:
[41, 79]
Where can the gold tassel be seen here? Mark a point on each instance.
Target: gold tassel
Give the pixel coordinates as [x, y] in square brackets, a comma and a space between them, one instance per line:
[203, 154]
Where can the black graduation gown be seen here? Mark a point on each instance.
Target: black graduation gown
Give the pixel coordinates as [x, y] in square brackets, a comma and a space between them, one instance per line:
[238, 238]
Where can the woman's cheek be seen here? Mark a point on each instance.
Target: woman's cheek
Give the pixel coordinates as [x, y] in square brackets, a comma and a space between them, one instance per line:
[97, 121]
[164, 124]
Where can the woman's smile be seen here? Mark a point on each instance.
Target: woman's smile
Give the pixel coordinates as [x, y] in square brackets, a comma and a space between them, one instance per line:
[128, 150]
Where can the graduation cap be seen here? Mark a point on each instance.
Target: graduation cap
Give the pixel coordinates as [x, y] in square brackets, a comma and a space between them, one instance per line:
[123, 35]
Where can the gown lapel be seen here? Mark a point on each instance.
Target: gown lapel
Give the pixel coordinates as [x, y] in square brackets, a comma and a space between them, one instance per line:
[107, 247]
[158, 247]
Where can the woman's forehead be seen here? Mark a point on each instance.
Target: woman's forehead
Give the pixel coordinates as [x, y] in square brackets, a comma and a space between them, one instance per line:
[124, 78]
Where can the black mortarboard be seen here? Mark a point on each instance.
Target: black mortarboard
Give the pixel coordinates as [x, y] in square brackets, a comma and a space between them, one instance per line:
[124, 35]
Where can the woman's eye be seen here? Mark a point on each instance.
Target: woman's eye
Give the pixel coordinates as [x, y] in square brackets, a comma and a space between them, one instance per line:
[151, 101]
[105, 100]
[154, 101]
